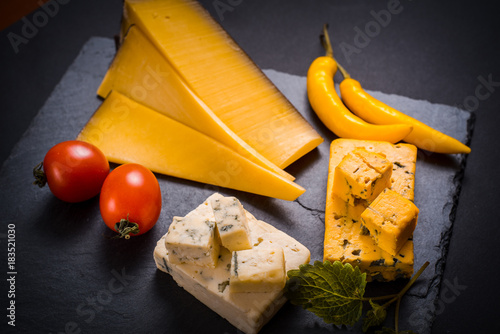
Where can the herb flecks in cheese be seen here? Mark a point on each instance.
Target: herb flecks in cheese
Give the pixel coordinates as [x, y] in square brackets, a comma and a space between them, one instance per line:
[192, 239]
[222, 286]
[231, 223]
[257, 270]
[391, 220]
[362, 175]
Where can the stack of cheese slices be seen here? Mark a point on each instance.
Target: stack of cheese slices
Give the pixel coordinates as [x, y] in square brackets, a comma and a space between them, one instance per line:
[183, 99]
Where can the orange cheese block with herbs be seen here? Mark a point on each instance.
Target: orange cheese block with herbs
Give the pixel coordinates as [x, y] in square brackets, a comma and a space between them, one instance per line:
[346, 239]
[140, 72]
[224, 77]
[126, 131]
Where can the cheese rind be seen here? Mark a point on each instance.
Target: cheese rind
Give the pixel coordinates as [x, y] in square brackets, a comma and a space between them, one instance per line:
[224, 77]
[126, 131]
[246, 311]
[391, 220]
[192, 239]
[362, 175]
[346, 240]
[257, 270]
[231, 223]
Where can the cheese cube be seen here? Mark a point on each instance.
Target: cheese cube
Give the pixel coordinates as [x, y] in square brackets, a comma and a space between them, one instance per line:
[391, 220]
[257, 270]
[192, 239]
[231, 223]
[362, 175]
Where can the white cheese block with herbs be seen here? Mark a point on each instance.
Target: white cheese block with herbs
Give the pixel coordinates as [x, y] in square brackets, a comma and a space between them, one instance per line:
[231, 223]
[246, 311]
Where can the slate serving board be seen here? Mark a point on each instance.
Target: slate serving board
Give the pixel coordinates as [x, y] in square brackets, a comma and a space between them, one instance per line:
[70, 277]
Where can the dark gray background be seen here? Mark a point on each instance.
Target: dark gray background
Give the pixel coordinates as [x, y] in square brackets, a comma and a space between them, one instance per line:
[435, 51]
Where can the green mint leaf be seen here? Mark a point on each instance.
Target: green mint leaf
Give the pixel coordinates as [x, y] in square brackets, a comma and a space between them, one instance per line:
[375, 316]
[332, 291]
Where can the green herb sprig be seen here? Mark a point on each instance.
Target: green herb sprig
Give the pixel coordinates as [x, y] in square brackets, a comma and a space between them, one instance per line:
[335, 293]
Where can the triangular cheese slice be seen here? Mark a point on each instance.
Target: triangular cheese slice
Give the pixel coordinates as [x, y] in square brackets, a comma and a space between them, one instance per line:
[140, 72]
[127, 131]
[224, 77]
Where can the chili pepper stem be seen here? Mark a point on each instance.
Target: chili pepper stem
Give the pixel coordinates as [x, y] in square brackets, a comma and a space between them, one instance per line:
[325, 41]
[345, 74]
[327, 45]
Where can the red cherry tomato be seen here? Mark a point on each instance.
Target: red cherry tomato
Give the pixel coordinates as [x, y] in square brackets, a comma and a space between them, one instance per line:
[130, 200]
[74, 170]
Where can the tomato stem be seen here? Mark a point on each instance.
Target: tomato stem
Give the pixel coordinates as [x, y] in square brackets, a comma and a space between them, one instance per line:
[124, 227]
[39, 174]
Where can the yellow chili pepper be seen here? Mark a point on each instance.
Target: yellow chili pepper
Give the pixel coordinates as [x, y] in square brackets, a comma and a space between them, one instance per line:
[334, 114]
[375, 111]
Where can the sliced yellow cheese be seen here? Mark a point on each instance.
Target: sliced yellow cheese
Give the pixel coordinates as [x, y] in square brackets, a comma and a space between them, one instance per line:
[127, 131]
[140, 72]
[346, 240]
[224, 77]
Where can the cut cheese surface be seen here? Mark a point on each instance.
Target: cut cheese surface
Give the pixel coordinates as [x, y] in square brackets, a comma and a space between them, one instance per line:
[391, 220]
[257, 270]
[249, 311]
[127, 131]
[193, 238]
[140, 72]
[402, 156]
[362, 175]
[224, 77]
[231, 223]
[346, 240]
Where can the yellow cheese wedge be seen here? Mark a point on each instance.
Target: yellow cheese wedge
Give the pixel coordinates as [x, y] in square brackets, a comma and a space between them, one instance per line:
[346, 240]
[127, 131]
[140, 72]
[224, 77]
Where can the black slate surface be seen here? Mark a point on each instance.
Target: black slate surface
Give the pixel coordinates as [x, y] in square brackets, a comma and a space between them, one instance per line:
[69, 276]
